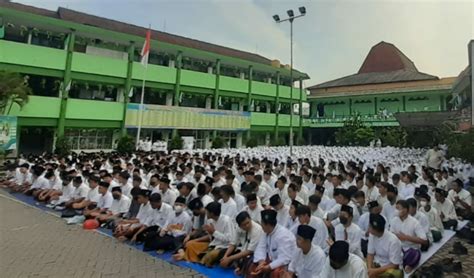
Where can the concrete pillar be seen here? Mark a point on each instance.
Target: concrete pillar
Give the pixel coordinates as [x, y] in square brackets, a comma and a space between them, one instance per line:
[268, 107]
[169, 99]
[207, 140]
[239, 140]
[208, 102]
[267, 139]
[166, 135]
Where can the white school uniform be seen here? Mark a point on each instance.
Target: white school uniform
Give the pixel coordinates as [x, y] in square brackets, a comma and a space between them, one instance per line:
[283, 215]
[446, 208]
[321, 235]
[93, 195]
[81, 191]
[308, 265]
[354, 268]
[463, 195]
[160, 217]
[105, 201]
[248, 240]
[411, 227]
[120, 206]
[279, 246]
[354, 236]
[387, 249]
[229, 208]
[224, 232]
[182, 219]
[254, 214]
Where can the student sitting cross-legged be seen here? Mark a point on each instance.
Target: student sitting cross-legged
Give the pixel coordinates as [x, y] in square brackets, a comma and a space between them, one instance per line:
[240, 252]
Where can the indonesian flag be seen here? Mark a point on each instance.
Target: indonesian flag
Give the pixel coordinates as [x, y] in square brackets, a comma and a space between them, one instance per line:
[146, 49]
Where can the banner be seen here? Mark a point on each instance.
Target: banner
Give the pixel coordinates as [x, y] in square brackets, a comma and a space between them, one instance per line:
[8, 126]
[175, 117]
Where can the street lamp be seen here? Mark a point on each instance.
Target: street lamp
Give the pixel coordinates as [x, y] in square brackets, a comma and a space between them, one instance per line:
[291, 18]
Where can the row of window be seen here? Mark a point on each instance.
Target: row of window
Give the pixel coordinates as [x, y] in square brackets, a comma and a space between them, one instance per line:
[89, 138]
[44, 38]
[50, 86]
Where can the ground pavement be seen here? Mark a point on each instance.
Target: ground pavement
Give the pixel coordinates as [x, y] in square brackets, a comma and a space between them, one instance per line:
[34, 243]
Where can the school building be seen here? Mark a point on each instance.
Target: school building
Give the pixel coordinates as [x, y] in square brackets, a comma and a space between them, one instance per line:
[387, 90]
[86, 79]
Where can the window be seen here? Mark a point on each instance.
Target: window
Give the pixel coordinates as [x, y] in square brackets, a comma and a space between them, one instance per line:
[48, 39]
[93, 91]
[190, 100]
[43, 85]
[151, 96]
[81, 139]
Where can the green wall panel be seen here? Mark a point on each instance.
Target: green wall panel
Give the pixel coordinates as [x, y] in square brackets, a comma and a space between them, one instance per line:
[285, 92]
[32, 55]
[233, 84]
[38, 107]
[99, 65]
[154, 73]
[262, 88]
[94, 110]
[198, 79]
[432, 103]
[265, 119]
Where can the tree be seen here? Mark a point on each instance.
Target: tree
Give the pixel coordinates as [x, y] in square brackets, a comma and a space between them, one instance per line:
[354, 133]
[176, 143]
[126, 144]
[218, 143]
[62, 146]
[13, 89]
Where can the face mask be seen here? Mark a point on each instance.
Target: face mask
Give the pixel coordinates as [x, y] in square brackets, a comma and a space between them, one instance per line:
[116, 197]
[178, 209]
[343, 220]
[423, 203]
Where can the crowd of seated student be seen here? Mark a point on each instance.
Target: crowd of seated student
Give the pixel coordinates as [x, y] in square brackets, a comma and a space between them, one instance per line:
[261, 216]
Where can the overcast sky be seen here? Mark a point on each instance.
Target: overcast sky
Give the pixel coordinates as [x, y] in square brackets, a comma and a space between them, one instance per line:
[331, 41]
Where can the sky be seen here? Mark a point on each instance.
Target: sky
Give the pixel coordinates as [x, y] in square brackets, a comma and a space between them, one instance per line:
[330, 41]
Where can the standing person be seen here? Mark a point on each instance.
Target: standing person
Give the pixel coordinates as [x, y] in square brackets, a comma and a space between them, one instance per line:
[434, 157]
[309, 258]
[384, 254]
[239, 255]
[274, 250]
[341, 263]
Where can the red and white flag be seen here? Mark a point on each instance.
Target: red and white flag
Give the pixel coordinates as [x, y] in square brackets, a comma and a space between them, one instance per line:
[146, 49]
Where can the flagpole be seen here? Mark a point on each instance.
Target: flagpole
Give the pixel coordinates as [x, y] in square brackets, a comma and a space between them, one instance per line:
[142, 106]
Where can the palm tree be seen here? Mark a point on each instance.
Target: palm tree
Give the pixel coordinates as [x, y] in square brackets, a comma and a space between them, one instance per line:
[13, 89]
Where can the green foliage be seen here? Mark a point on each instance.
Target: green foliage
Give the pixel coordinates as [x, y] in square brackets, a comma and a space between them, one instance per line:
[300, 142]
[354, 133]
[462, 145]
[252, 142]
[218, 143]
[126, 144]
[280, 141]
[13, 89]
[63, 146]
[176, 143]
[392, 136]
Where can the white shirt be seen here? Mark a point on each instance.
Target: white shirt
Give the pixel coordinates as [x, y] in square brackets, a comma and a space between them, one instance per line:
[120, 206]
[105, 201]
[321, 235]
[81, 191]
[434, 219]
[446, 208]
[248, 240]
[463, 195]
[283, 215]
[354, 236]
[372, 194]
[354, 268]
[319, 213]
[407, 191]
[224, 232]
[309, 265]
[229, 208]
[279, 246]
[160, 217]
[182, 224]
[143, 212]
[93, 195]
[389, 211]
[282, 193]
[40, 183]
[206, 199]
[254, 214]
[411, 227]
[67, 192]
[240, 201]
[23, 178]
[387, 249]
[127, 189]
[168, 197]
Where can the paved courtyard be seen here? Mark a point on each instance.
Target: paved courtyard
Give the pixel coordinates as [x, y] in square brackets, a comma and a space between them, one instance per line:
[36, 244]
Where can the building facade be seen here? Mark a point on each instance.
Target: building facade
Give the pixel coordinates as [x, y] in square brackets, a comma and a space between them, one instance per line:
[86, 79]
[387, 85]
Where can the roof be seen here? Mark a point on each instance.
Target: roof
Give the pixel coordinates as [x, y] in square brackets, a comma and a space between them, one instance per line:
[384, 63]
[117, 26]
[442, 84]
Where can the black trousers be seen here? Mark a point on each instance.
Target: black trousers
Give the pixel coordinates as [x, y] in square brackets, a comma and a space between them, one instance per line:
[450, 224]
[167, 242]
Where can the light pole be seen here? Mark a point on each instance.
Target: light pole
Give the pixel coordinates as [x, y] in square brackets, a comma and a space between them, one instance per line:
[291, 18]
